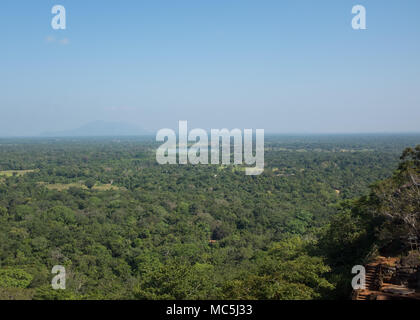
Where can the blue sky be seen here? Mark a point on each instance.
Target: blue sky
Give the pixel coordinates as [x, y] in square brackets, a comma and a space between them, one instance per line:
[283, 66]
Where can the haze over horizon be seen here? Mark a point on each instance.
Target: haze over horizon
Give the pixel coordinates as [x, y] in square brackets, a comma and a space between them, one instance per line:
[284, 67]
[121, 129]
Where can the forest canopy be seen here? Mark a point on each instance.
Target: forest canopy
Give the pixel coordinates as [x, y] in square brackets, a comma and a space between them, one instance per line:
[126, 227]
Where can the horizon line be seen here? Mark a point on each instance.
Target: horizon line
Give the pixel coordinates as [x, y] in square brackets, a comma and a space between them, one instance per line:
[266, 133]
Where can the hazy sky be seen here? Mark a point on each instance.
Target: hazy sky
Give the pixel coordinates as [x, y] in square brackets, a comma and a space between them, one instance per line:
[284, 66]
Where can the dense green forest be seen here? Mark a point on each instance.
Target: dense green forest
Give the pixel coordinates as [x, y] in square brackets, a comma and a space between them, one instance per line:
[126, 227]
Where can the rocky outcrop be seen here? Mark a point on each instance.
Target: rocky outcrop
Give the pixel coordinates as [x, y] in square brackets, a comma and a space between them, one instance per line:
[392, 279]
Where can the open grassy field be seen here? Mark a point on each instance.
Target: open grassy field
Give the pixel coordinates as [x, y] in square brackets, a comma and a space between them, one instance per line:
[10, 173]
[80, 184]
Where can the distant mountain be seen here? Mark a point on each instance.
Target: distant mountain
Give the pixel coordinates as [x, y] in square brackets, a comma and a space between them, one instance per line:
[100, 129]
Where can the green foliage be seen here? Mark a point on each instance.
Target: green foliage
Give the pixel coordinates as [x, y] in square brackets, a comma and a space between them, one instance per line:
[177, 280]
[192, 232]
[89, 183]
[47, 293]
[14, 278]
[381, 222]
[286, 272]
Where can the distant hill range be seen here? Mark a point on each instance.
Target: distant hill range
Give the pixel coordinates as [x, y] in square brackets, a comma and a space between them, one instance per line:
[100, 129]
